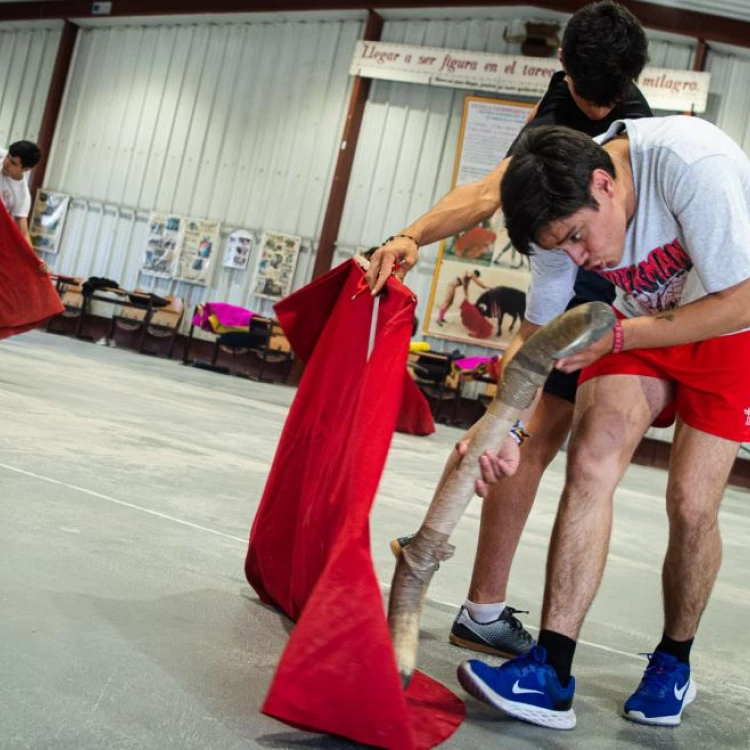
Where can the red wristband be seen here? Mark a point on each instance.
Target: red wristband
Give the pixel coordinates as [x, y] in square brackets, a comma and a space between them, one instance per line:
[618, 338]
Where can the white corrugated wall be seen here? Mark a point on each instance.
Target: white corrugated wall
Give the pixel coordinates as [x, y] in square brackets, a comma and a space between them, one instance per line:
[237, 123]
[729, 100]
[27, 57]
[240, 123]
[739, 9]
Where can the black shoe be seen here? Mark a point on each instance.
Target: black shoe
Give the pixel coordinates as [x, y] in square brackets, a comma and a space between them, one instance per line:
[505, 636]
[397, 545]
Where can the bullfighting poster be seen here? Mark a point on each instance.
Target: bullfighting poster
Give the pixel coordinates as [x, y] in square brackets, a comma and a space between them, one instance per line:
[196, 252]
[47, 221]
[163, 245]
[480, 282]
[277, 261]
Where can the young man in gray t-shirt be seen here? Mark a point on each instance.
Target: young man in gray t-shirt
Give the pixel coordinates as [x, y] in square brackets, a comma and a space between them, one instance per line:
[660, 207]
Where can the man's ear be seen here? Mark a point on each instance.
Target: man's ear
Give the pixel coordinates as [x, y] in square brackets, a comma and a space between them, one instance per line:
[560, 58]
[602, 182]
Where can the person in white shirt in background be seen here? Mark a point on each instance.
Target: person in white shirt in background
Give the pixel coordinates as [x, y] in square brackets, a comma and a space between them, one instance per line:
[20, 158]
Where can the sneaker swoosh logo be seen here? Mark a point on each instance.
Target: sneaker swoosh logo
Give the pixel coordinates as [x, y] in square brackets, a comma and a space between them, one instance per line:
[518, 690]
[680, 694]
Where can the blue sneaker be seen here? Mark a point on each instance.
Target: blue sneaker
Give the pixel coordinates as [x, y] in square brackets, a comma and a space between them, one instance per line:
[665, 690]
[526, 688]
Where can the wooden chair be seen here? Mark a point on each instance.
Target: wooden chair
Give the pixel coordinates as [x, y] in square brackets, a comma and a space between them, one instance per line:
[72, 298]
[131, 320]
[277, 350]
[239, 343]
[433, 374]
[164, 323]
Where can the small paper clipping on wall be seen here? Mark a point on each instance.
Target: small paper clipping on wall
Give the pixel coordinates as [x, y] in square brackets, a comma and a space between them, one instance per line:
[277, 261]
[479, 287]
[48, 220]
[238, 249]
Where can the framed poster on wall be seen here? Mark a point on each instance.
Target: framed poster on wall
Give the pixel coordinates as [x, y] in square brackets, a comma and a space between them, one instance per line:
[163, 243]
[277, 261]
[47, 220]
[479, 286]
[197, 252]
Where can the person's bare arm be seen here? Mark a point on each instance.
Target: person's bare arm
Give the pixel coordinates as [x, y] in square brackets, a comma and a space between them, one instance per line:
[714, 315]
[479, 283]
[23, 226]
[461, 209]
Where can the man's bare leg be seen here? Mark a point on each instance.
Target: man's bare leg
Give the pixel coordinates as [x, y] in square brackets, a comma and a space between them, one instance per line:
[508, 503]
[612, 413]
[698, 471]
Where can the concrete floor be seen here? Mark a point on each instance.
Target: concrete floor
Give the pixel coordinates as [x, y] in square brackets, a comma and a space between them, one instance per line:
[128, 488]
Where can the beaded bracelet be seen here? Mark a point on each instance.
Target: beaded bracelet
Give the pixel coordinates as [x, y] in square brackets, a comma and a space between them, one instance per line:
[618, 338]
[518, 433]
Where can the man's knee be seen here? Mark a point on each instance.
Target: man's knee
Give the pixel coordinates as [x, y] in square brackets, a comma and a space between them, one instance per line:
[690, 511]
[598, 453]
[585, 468]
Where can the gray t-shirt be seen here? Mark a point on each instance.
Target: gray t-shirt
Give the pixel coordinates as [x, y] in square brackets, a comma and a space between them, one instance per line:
[689, 235]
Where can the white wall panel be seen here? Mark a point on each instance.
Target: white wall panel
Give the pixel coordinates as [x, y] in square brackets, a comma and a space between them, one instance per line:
[240, 123]
[670, 55]
[27, 58]
[738, 9]
[729, 103]
[237, 123]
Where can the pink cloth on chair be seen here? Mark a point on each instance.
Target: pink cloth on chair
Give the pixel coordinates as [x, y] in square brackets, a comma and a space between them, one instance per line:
[226, 315]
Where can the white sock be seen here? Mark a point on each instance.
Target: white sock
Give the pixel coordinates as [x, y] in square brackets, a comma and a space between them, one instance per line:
[484, 613]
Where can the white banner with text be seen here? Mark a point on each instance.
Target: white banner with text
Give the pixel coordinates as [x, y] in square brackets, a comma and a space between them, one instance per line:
[665, 89]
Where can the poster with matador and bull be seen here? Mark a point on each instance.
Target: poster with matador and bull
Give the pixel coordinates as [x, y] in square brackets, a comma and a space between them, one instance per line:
[479, 287]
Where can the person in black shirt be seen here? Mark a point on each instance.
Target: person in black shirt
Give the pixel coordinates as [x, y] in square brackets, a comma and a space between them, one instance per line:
[604, 50]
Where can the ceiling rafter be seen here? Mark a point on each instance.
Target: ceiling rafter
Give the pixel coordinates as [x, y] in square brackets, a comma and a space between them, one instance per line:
[658, 17]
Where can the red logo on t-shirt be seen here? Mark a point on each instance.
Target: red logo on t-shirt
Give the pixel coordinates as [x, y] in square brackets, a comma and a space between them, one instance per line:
[656, 282]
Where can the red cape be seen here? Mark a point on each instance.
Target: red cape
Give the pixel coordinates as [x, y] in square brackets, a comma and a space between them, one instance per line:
[477, 325]
[27, 297]
[309, 551]
[415, 415]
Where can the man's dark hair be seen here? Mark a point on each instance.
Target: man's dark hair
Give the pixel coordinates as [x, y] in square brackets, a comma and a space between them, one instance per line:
[604, 48]
[27, 152]
[548, 179]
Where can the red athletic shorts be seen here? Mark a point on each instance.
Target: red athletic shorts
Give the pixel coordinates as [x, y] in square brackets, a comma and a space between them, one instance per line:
[711, 382]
